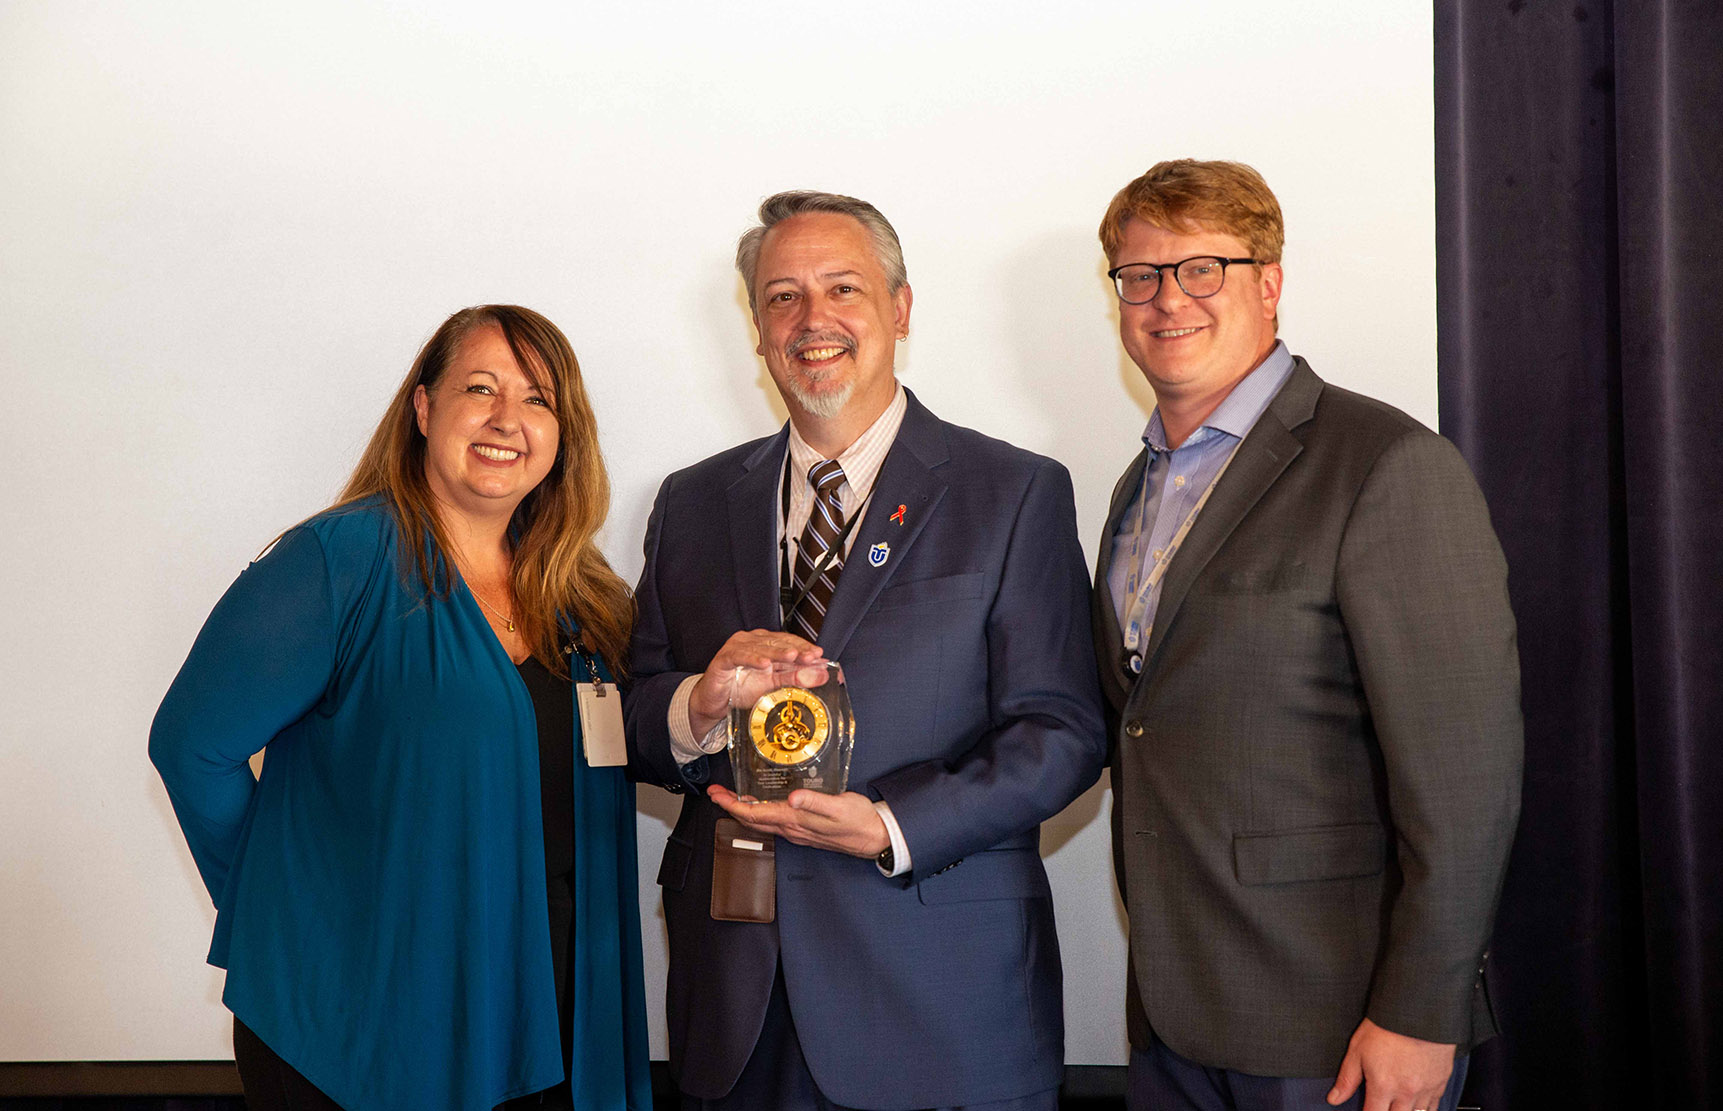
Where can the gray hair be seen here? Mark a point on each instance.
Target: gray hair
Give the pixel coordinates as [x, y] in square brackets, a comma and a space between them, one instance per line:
[781, 206]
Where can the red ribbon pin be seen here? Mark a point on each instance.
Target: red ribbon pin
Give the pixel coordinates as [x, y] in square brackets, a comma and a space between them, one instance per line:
[898, 516]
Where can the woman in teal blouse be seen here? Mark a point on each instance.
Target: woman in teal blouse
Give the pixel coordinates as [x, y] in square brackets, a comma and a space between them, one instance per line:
[391, 934]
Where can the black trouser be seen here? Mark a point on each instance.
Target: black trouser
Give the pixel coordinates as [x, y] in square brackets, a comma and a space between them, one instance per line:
[272, 1084]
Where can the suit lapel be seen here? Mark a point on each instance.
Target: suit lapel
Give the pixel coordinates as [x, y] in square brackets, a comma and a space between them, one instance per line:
[1109, 645]
[753, 513]
[1262, 457]
[906, 478]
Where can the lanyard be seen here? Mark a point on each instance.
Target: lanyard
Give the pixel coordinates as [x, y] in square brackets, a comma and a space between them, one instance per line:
[603, 737]
[1141, 587]
[576, 647]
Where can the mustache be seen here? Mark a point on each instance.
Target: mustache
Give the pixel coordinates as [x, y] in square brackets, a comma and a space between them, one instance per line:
[819, 339]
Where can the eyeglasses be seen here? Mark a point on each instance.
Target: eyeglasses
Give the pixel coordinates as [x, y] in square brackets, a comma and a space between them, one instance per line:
[1199, 276]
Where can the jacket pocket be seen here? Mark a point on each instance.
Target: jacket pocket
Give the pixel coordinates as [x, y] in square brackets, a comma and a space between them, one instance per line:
[947, 588]
[673, 869]
[1303, 855]
[993, 874]
[1275, 579]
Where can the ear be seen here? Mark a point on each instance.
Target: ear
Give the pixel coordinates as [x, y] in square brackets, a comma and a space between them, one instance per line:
[422, 409]
[759, 336]
[901, 301]
[1271, 279]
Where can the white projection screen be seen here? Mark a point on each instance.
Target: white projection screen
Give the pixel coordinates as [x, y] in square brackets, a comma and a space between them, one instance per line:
[226, 229]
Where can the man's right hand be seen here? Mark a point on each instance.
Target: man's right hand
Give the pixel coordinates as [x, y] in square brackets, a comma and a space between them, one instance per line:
[709, 701]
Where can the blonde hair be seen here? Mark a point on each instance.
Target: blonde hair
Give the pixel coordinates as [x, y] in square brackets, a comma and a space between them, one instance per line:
[1185, 194]
[558, 570]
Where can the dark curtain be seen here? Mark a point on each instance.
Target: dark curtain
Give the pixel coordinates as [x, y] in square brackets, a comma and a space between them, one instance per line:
[1579, 165]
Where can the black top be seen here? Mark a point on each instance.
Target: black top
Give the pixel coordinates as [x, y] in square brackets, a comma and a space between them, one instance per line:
[553, 706]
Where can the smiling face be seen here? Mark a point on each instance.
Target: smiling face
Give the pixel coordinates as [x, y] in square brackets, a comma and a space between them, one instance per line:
[490, 430]
[1194, 351]
[826, 320]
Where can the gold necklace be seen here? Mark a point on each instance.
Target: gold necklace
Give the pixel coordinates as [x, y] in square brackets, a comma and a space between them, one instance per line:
[507, 620]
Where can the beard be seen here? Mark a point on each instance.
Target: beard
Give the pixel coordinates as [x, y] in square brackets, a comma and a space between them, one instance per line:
[815, 391]
[822, 403]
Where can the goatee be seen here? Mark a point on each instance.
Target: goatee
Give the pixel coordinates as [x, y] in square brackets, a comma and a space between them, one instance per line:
[824, 404]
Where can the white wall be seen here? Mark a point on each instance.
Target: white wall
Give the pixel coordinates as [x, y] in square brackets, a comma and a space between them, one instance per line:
[225, 229]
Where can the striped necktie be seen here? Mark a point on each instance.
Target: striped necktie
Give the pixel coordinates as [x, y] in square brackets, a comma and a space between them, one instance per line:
[825, 521]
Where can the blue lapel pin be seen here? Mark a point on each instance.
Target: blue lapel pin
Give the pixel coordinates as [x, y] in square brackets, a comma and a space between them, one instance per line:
[879, 553]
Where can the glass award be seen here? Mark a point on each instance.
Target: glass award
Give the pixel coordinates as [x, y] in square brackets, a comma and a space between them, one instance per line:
[791, 728]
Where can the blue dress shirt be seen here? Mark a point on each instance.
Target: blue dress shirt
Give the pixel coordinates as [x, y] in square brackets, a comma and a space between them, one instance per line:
[1176, 478]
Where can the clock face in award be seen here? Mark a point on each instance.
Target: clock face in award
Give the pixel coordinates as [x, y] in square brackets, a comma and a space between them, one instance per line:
[789, 726]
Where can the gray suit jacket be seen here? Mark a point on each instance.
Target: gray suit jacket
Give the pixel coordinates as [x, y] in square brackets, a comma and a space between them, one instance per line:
[1316, 776]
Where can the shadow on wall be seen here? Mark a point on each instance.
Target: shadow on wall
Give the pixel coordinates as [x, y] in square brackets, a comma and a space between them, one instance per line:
[659, 805]
[732, 327]
[730, 367]
[1057, 831]
[1064, 338]
[1056, 322]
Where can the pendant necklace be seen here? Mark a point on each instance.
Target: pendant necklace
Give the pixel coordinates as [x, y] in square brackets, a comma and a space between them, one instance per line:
[507, 620]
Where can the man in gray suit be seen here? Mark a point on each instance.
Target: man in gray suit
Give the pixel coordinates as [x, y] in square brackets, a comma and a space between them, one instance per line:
[1302, 620]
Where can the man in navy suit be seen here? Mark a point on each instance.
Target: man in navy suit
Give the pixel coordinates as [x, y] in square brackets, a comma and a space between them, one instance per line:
[910, 959]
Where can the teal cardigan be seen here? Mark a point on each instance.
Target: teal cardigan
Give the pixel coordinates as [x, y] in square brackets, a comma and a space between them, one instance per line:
[380, 891]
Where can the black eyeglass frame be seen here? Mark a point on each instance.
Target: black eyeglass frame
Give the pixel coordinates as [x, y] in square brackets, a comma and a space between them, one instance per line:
[1158, 267]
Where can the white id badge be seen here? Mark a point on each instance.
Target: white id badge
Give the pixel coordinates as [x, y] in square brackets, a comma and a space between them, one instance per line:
[601, 725]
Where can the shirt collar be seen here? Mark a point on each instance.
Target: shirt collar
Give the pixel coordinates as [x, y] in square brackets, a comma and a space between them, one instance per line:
[1239, 411]
[862, 460]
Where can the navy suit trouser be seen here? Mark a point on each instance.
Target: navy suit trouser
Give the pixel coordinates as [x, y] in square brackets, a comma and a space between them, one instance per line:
[777, 1076]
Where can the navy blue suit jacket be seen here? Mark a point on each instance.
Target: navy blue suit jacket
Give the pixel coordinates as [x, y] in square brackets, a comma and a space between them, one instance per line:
[971, 669]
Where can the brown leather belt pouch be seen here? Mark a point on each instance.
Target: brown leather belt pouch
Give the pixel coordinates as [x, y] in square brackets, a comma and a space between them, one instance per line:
[744, 873]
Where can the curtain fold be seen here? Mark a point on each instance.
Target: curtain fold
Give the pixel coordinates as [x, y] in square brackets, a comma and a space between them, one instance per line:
[1579, 161]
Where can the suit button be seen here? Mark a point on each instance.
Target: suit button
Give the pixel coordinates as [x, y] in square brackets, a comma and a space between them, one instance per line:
[1133, 728]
